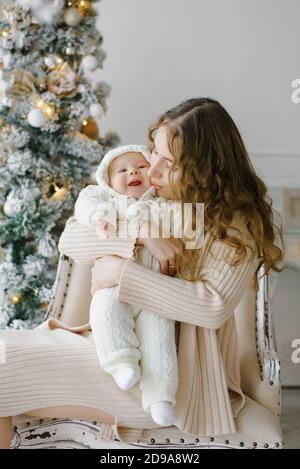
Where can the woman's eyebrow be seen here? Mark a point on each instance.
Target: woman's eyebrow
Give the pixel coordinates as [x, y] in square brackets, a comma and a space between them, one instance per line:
[165, 157]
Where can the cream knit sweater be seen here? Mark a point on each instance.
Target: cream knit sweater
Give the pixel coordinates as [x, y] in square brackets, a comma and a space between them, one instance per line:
[209, 396]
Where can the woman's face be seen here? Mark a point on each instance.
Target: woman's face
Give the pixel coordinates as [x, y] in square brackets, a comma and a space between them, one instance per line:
[161, 163]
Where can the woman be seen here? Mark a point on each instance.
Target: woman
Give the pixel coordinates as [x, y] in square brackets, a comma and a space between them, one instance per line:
[197, 155]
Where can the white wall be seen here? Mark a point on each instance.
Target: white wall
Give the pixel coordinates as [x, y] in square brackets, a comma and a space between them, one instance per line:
[245, 53]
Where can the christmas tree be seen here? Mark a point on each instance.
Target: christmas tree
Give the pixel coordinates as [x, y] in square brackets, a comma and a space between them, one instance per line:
[50, 142]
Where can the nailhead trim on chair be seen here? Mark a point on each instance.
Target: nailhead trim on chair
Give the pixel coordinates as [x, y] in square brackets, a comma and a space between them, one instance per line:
[226, 442]
[65, 292]
[167, 440]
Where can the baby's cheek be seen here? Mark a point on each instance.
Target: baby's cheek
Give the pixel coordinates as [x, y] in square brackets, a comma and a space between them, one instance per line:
[147, 181]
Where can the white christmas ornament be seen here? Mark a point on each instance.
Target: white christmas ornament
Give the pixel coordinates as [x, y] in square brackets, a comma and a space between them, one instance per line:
[81, 88]
[36, 118]
[11, 208]
[96, 111]
[72, 16]
[89, 63]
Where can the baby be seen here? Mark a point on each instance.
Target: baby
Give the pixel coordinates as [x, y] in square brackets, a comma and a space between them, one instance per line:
[125, 334]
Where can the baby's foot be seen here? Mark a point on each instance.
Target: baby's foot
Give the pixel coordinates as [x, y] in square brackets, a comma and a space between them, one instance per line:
[127, 377]
[162, 413]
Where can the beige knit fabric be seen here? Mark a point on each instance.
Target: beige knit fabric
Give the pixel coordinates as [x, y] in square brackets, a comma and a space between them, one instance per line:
[209, 395]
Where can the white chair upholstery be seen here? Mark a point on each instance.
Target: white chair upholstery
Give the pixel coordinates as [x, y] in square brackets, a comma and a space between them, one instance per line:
[258, 423]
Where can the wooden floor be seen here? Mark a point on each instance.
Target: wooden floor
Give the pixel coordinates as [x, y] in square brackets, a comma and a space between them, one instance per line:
[290, 418]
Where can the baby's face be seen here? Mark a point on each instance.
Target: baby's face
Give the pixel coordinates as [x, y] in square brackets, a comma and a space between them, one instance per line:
[128, 174]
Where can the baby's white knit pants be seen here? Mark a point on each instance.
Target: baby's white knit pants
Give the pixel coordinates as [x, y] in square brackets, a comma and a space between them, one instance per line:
[127, 335]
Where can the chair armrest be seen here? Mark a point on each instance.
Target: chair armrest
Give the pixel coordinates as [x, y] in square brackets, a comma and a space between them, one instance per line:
[59, 287]
[269, 360]
[266, 352]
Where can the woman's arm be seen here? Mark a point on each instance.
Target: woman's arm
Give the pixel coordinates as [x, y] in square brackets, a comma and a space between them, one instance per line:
[206, 303]
[82, 244]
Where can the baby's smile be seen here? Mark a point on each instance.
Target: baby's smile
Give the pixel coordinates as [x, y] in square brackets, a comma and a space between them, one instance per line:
[128, 174]
[136, 182]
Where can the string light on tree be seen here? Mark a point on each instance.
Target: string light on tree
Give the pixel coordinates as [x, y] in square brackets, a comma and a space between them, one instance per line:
[6, 33]
[51, 62]
[41, 111]
[15, 298]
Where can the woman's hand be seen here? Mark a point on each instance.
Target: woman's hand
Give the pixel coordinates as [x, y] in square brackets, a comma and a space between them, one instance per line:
[164, 250]
[106, 272]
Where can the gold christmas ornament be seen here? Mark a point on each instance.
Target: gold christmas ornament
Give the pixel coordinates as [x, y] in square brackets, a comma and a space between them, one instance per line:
[59, 194]
[62, 81]
[15, 298]
[83, 6]
[90, 129]
[55, 190]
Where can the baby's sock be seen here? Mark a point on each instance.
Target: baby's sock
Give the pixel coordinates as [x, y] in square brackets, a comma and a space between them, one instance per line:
[162, 413]
[127, 377]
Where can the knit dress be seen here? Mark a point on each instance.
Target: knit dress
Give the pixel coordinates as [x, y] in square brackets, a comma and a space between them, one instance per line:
[55, 364]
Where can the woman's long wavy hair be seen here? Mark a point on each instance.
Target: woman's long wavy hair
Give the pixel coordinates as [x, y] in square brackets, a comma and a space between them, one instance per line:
[217, 172]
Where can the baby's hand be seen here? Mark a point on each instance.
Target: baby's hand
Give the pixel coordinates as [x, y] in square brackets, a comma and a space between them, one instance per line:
[104, 228]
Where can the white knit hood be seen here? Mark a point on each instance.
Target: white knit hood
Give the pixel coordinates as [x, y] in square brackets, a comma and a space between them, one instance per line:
[102, 170]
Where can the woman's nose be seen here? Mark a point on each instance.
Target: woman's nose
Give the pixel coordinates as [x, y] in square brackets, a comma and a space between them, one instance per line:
[154, 171]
